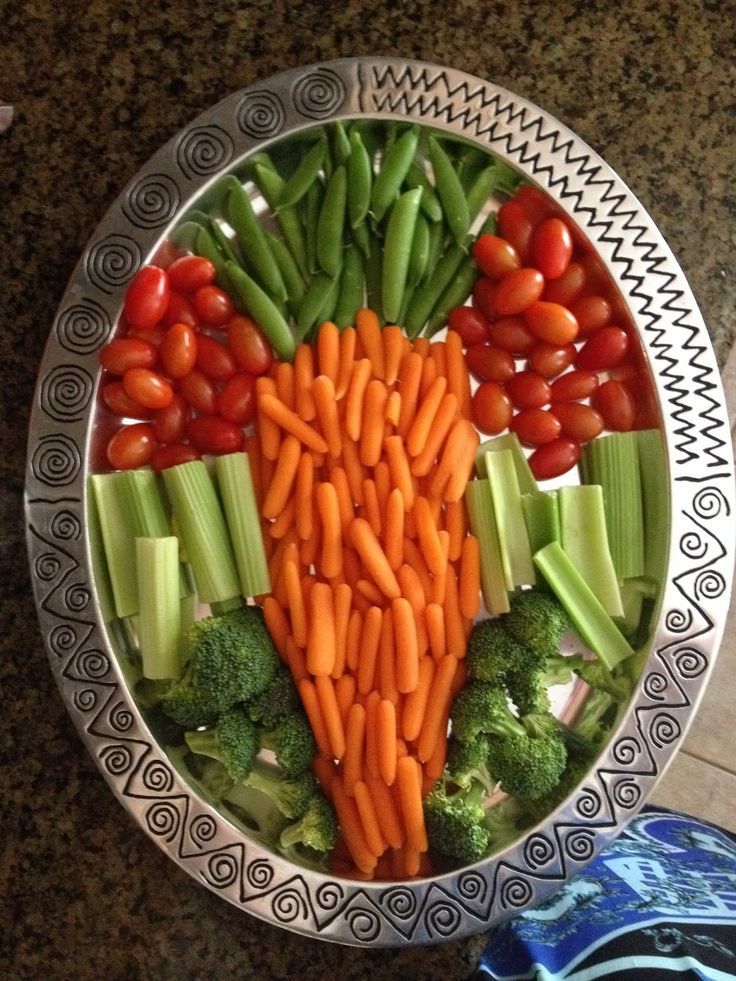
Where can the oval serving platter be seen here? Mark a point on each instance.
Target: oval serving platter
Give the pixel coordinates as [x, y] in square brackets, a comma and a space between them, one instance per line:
[64, 447]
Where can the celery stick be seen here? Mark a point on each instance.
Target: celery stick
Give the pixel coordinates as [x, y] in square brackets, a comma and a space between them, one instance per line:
[483, 526]
[590, 620]
[508, 441]
[243, 520]
[157, 568]
[584, 540]
[100, 571]
[516, 553]
[655, 501]
[203, 531]
[118, 538]
[542, 517]
[613, 462]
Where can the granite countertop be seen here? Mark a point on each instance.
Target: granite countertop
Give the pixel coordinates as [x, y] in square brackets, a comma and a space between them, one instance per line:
[97, 88]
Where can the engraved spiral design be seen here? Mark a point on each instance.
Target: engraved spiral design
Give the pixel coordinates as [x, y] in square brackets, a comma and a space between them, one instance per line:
[368, 913]
[655, 686]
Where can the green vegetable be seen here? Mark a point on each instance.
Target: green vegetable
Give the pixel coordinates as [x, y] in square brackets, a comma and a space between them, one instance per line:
[233, 742]
[316, 300]
[264, 311]
[252, 241]
[526, 766]
[278, 700]
[450, 192]
[482, 523]
[331, 223]
[157, 571]
[304, 176]
[352, 286]
[360, 181]
[271, 186]
[584, 540]
[542, 518]
[416, 176]
[393, 170]
[508, 441]
[292, 742]
[242, 516]
[397, 252]
[482, 708]
[290, 272]
[292, 795]
[655, 502]
[537, 621]
[308, 840]
[516, 555]
[467, 762]
[456, 824]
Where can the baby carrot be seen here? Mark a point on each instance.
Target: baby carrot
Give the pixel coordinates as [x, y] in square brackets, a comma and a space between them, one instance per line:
[303, 378]
[325, 772]
[348, 339]
[393, 349]
[353, 469]
[329, 514]
[354, 747]
[456, 461]
[438, 704]
[421, 346]
[368, 590]
[274, 409]
[342, 597]
[439, 581]
[355, 631]
[284, 378]
[352, 829]
[435, 765]
[321, 642]
[456, 524]
[328, 351]
[373, 557]
[371, 505]
[382, 477]
[458, 479]
[393, 531]
[409, 781]
[371, 735]
[369, 818]
[420, 428]
[386, 740]
[469, 585]
[399, 468]
[414, 558]
[372, 424]
[323, 392]
[325, 689]
[443, 420]
[268, 430]
[359, 378]
[295, 659]
[458, 380]
[411, 587]
[284, 522]
[369, 332]
[410, 376]
[345, 695]
[276, 622]
[412, 861]
[386, 682]
[303, 491]
[416, 701]
[386, 812]
[295, 599]
[429, 539]
[429, 376]
[435, 620]
[339, 479]
[308, 694]
[405, 645]
[439, 355]
[454, 627]
[279, 491]
[393, 408]
[369, 641]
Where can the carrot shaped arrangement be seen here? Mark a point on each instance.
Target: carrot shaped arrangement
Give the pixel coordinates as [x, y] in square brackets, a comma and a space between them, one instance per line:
[362, 451]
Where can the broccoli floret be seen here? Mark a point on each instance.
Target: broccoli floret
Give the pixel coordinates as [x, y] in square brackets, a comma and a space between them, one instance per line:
[309, 840]
[233, 741]
[527, 766]
[492, 652]
[290, 794]
[468, 763]
[598, 676]
[277, 701]
[504, 821]
[597, 717]
[253, 812]
[481, 707]
[189, 705]
[293, 743]
[208, 777]
[456, 824]
[537, 621]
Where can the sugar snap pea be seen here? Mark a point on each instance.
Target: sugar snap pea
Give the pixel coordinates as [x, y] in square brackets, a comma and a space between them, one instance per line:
[185, 235]
[352, 285]
[393, 170]
[223, 242]
[417, 177]
[293, 280]
[252, 240]
[437, 231]
[331, 223]
[263, 310]
[419, 252]
[327, 310]
[315, 300]
[480, 190]
[399, 234]
[312, 205]
[340, 144]
[304, 175]
[450, 191]
[425, 298]
[206, 246]
[363, 238]
[270, 185]
[373, 275]
[360, 181]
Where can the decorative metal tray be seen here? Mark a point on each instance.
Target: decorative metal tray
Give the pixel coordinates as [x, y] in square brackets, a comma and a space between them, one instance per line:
[63, 450]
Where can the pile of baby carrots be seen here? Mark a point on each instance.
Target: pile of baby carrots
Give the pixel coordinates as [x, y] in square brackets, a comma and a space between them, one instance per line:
[361, 454]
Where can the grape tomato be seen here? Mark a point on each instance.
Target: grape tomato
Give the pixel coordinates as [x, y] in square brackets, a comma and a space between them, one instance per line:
[211, 434]
[551, 322]
[178, 350]
[213, 306]
[573, 385]
[512, 334]
[199, 391]
[131, 446]
[517, 290]
[172, 455]
[495, 256]
[489, 363]
[147, 297]
[528, 390]
[190, 273]
[248, 345]
[616, 404]
[516, 227]
[491, 408]
[471, 324]
[169, 423]
[604, 349]
[580, 421]
[554, 458]
[550, 360]
[147, 388]
[236, 402]
[128, 352]
[551, 247]
[535, 427]
[214, 359]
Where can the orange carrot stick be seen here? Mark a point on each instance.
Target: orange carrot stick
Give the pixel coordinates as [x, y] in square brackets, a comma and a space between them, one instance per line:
[458, 380]
[328, 351]
[308, 694]
[329, 515]
[438, 704]
[268, 430]
[348, 338]
[352, 829]
[369, 641]
[386, 668]
[393, 408]
[372, 424]
[399, 468]
[412, 861]
[405, 645]
[342, 598]
[429, 539]
[371, 505]
[439, 581]
[325, 772]
[435, 620]
[409, 781]
[339, 479]
[369, 818]
[410, 376]
[359, 378]
[303, 378]
[371, 736]
[284, 522]
[323, 392]
[460, 438]
[296, 660]
[459, 476]
[353, 469]
[371, 592]
[369, 332]
[303, 495]
[393, 349]
[354, 747]
[388, 816]
[321, 642]
[416, 438]
[295, 598]
[421, 346]
[386, 740]
[438, 354]
[373, 557]
[429, 375]
[325, 689]
[279, 491]
[470, 578]
[435, 765]
[276, 623]
[415, 705]
[393, 531]
[284, 378]
[413, 557]
[274, 409]
[443, 420]
[454, 627]
[411, 587]
[355, 631]
[345, 695]
[456, 523]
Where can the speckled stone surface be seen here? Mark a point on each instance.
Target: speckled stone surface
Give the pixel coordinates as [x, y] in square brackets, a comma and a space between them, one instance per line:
[97, 88]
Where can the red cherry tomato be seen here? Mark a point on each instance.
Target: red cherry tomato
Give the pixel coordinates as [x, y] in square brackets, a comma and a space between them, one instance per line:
[214, 359]
[551, 322]
[550, 360]
[573, 386]
[597, 279]
[237, 400]
[516, 227]
[470, 324]
[152, 335]
[127, 352]
[248, 345]
[616, 405]
[147, 388]
[555, 458]
[495, 256]
[190, 273]
[211, 434]
[605, 348]
[489, 363]
[579, 421]
[551, 247]
[131, 446]
[591, 312]
[517, 291]
[213, 306]
[172, 455]
[169, 423]
[483, 296]
[535, 427]
[178, 350]
[528, 390]
[512, 334]
[491, 408]
[567, 287]
[534, 203]
[114, 397]
[147, 297]
[199, 391]
[179, 311]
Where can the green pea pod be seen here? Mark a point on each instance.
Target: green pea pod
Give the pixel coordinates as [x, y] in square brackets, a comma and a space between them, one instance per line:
[454, 295]
[252, 241]
[394, 168]
[472, 159]
[450, 192]
[340, 144]
[206, 246]
[371, 133]
[327, 310]
[352, 285]
[305, 175]
[360, 181]
[270, 185]
[331, 223]
[437, 231]
[263, 310]
[185, 235]
[397, 250]
[426, 297]
[312, 205]
[290, 274]
[507, 179]
[373, 276]
[417, 177]
[315, 300]
[223, 242]
[363, 239]
[419, 254]
[480, 191]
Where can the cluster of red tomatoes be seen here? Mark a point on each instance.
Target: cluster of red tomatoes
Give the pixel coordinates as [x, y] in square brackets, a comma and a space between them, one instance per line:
[541, 337]
[186, 368]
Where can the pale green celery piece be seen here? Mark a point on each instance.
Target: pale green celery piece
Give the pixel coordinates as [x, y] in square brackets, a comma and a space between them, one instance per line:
[542, 517]
[100, 571]
[632, 601]
[613, 462]
[516, 553]
[235, 483]
[655, 502]
[159, 628]
[508, 441]
[483, 525]
[594, 626]
[584, 540]
[118, 538]
[201, 526]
